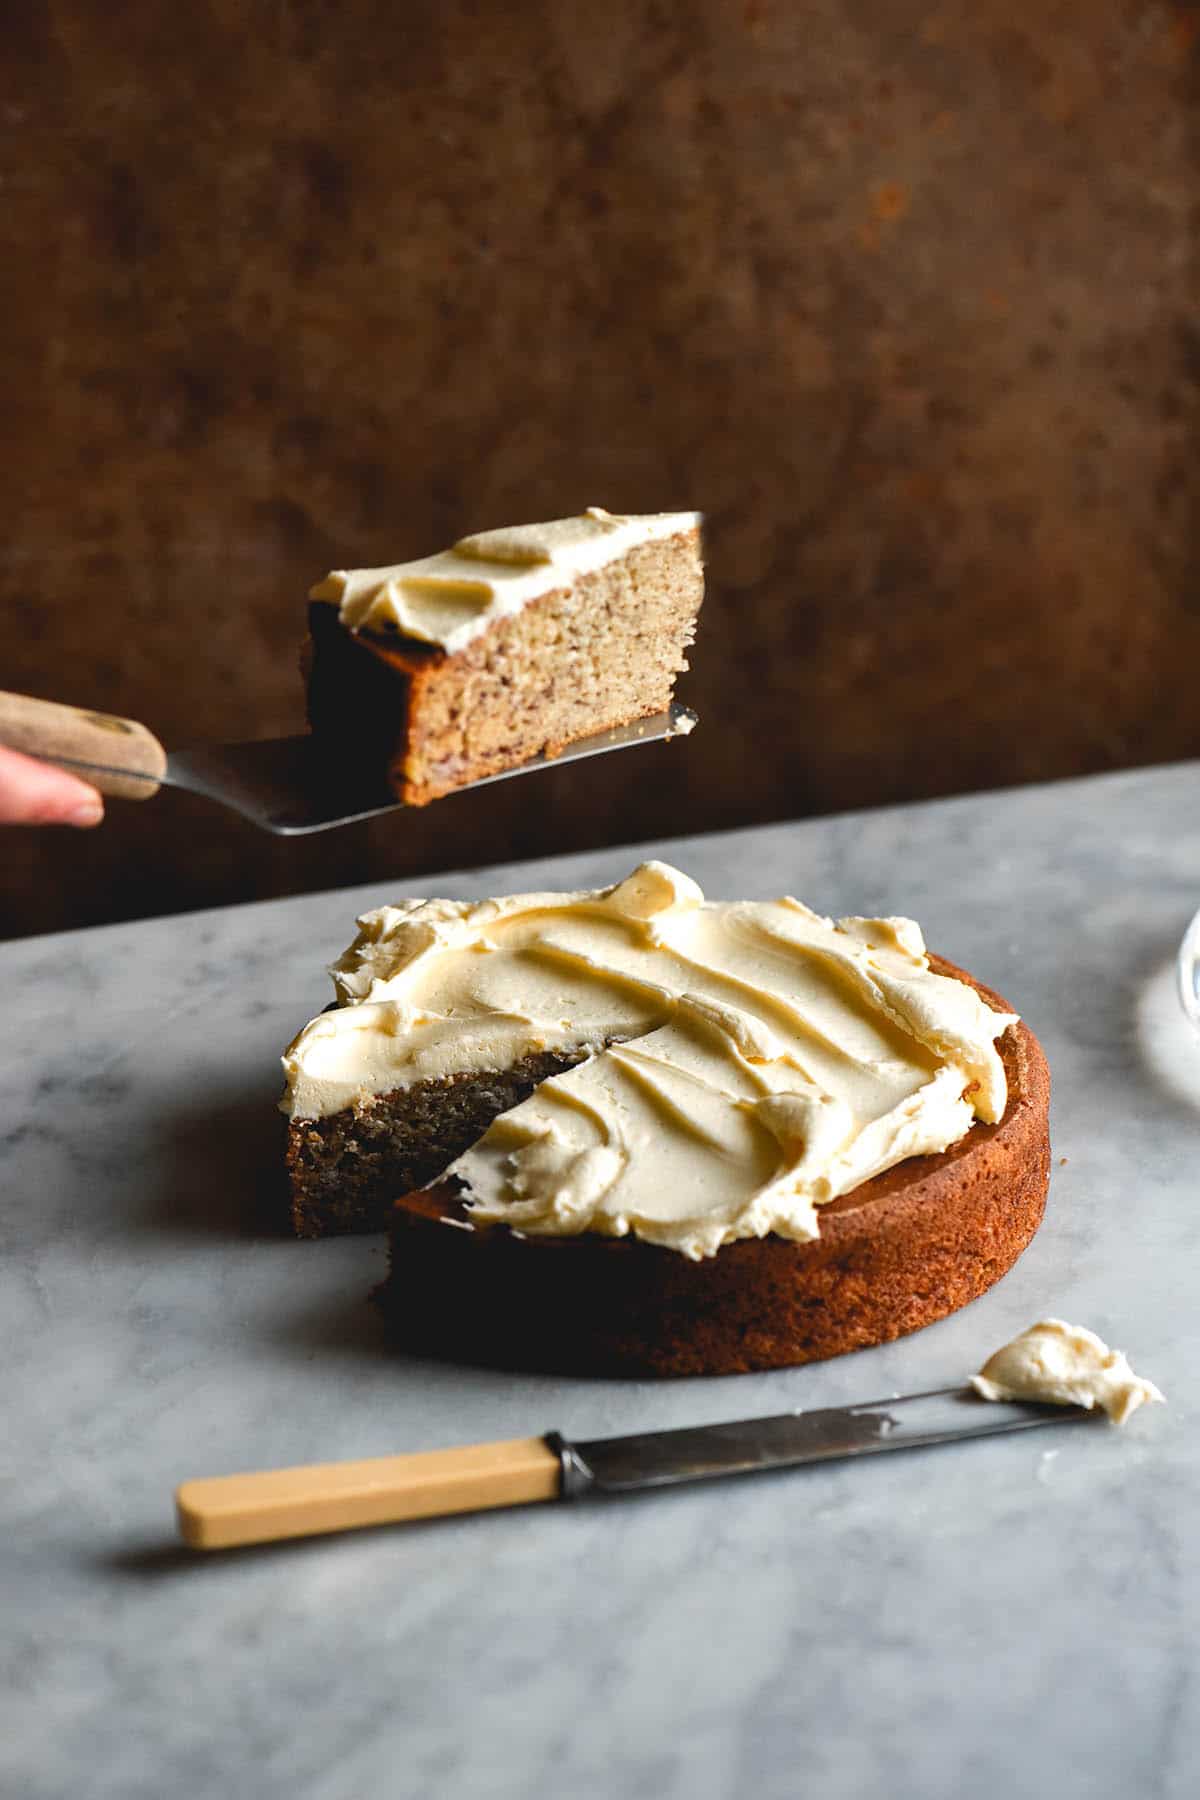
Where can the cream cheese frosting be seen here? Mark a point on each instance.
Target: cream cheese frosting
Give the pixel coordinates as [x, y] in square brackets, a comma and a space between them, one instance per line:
[1067, 1365]
[746, 1061]
[449, 599]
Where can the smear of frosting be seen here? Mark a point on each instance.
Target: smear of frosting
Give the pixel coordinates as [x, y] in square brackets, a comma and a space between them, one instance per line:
[449, 599]
[1067, 1365]
[747, 1061]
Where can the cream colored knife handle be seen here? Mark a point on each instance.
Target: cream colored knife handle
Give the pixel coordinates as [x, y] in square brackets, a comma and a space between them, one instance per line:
[118, 756]
[217, 1513]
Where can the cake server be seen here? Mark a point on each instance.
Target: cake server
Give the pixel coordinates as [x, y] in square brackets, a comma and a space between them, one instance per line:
[283, 784]
[227, 1510]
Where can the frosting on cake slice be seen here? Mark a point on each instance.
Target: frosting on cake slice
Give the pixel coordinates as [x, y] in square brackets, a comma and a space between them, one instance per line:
[450, 599]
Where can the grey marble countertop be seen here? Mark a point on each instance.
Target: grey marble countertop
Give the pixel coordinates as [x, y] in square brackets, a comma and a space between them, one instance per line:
[1015, 1617]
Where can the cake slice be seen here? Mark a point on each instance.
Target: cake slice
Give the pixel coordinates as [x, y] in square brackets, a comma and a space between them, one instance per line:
[512, 644]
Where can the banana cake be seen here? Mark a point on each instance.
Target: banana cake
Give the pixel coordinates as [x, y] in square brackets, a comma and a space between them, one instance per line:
[632, 1130]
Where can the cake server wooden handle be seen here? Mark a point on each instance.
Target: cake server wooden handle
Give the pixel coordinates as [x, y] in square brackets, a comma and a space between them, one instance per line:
[118, 756]
[226, 1510]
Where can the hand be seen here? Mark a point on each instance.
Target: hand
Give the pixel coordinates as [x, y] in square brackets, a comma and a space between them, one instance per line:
[36, 793]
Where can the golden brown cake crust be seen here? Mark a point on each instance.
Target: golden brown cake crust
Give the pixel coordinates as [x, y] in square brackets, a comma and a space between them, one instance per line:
[901, 1250]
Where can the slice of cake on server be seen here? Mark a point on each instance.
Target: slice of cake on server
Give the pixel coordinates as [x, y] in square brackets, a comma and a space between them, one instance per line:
[512, 644]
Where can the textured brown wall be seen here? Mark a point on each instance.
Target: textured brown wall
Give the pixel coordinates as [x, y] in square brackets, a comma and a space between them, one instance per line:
[900, 292]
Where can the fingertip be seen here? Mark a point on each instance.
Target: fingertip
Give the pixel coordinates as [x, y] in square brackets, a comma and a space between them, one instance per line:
[84, 816]
[39, 793]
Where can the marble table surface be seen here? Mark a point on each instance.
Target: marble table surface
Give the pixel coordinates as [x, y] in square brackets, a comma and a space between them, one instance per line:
[1019, 1616]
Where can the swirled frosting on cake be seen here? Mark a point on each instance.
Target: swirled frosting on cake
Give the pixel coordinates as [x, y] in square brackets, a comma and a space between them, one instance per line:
[746, 1061]
[449, 599]
[1065, 1365]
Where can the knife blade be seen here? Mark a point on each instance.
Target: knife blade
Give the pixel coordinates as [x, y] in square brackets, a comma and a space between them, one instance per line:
[224, 1511]
[657, 1459]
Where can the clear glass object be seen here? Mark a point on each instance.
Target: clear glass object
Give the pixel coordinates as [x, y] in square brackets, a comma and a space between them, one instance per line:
[1187, 970]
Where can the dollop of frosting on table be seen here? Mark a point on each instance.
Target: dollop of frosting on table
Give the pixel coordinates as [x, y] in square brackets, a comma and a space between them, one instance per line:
[745, 1061]
[449, 599]
[1067, 1365]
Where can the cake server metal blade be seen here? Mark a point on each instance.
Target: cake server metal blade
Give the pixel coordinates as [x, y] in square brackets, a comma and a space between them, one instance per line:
[284, 785]
[655, 1459]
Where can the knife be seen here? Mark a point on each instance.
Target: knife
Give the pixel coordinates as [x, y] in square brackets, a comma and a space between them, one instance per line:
[219, 1512]
[287, 786]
